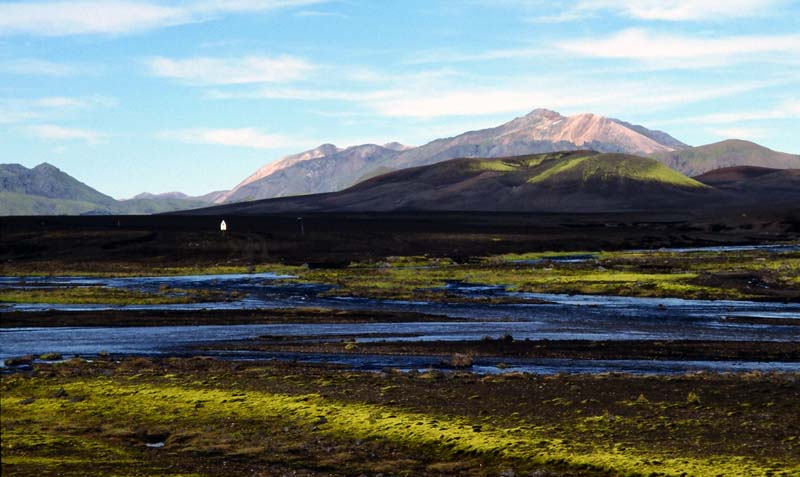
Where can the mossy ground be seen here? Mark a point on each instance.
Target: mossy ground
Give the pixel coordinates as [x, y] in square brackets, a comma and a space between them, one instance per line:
[122, 269]
[112, 296]
[215, 418]
[748, 275]
[755, 274]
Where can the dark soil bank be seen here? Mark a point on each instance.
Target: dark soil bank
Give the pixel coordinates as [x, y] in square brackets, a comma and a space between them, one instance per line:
[112, 318]
[337, 239]
[563, 349]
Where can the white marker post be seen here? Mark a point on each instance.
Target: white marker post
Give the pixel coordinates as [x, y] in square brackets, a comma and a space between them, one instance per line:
[223, 227]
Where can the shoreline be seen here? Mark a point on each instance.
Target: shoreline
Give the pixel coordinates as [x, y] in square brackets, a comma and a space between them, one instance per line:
[588, 350]
[132, 318]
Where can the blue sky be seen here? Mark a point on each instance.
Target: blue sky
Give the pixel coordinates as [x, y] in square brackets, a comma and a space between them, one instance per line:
[193, 95]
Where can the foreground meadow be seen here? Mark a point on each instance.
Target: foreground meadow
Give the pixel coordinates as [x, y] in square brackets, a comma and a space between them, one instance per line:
[202, 416]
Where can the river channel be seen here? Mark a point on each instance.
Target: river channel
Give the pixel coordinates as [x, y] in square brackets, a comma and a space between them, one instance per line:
[562, 317]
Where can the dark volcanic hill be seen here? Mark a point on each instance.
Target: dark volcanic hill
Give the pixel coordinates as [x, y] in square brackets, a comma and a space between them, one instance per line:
[693, 161]
[733, 177]
[756, 184]
[576, 181]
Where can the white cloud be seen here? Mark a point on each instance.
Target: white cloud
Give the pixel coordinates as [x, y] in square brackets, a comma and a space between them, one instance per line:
[253, 138]
[73, 17]
[650, 47]
[681, 10]
[616, 97]
[453, 56]
[740, 133]
[60, 133]
[303, 94]
[16, 110]
[79, 17]
[372, 86]
[562, 17]
[80, 102]
[60, 102]
[788, 109]
[436, 96]
[244, 6]
[222, 71]
[654, 10]
[10, 116]
[36, 67]
[320, 14]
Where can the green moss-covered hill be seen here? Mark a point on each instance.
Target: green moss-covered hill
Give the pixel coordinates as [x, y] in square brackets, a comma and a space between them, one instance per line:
[575, 181]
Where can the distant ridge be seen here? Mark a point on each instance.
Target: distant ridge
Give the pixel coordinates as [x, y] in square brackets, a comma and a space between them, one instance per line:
[46, 190]
[324, 169]
[288, 161]
[48, 181]
[694, 161]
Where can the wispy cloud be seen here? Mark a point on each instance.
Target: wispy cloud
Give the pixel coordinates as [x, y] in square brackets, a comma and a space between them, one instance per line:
[562, 17]
[36, 67]
[788, 109]
[655, 10]
[15, 110]
[11, 116]
[74, 17]
[682, 10]
[649, 49]
[652, 47]
[320, 14]
[425, 100]
[433, 95]
[75, 102]
[60, 133]
[57, 18]
[303, 94]
[225, 71]
[253, 138]
[362, 85]
[615, 97]
[751, 133]
[454, 56]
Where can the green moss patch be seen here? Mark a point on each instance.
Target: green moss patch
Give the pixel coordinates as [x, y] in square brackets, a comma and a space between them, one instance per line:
[109, 296]
[114, 417]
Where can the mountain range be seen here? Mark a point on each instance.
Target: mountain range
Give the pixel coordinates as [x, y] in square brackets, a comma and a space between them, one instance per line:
[46, 190]
[575, 181]
[328, 168]
[568, 181]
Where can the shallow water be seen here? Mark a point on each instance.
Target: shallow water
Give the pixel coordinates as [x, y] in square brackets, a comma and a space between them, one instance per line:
[778, 248]
[565, 317]
[181, 341]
